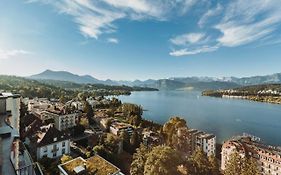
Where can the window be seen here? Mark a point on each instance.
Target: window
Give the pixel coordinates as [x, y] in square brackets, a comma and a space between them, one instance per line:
[63, 144]
[54, 154]
[45, 149]
[63, 151]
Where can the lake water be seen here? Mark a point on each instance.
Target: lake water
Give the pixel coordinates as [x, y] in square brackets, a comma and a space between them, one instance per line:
[222, 117]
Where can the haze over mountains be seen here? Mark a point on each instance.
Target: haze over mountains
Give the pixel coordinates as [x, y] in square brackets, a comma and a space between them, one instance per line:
[197, 83]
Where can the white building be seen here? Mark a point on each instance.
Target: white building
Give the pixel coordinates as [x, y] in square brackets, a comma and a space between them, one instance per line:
[207, 142]
[49, 141]
[199, 139]
[65, 121]
[267, 157]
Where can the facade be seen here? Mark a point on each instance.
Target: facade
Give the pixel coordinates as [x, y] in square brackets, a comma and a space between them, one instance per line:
[93, 165]
[65, 121]
[267, 157]
[151, 138]
[48, 141]
[116, 128]
[207, 142]
[199, 139]
[38, 104]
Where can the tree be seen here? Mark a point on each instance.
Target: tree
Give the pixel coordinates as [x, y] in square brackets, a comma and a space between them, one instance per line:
[100, 150]
[170, 129]
[139, 159]
[65, 158]
[135, 120]
[162, 160]
[135, 140]
[200, 162]
[214, 165]
[250, 167]
[124, 136]
[62, 99]
[88, 110]
[234, 165]
[84, 122]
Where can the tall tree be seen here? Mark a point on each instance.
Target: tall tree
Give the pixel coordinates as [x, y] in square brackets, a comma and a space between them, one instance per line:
[162, 160]
[88, 110]
[170, 129]
[234, 165]
[139, 159]
[214, 165]
[200, 162]
[250, 167]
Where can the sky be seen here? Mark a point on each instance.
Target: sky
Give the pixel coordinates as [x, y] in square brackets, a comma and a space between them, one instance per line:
[141, 39]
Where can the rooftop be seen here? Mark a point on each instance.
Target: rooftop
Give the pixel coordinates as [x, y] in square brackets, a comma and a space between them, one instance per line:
[94, 164]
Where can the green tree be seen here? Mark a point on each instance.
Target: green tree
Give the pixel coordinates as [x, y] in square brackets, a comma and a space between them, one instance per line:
[214, 165]
[170, 129]
[250, 167]
[88, 110]
[125, 137]
[139, 159]
[65, 158]
[162, 160]
[135, 140]
[234, 165]
[200, 162]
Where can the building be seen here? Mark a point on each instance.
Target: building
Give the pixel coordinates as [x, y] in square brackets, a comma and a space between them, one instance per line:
[14, 158]
[93, 165]
[151, 138]
[48, 141]
[116, 128]
[199, 139]
[65, 121]
[267, 157]
[38, 104]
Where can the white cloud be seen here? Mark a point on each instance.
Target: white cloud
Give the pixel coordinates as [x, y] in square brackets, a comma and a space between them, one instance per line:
[113, 40]
[186, 51]
[185, 39]
[238, 23]
[97, 17]
[248, 21]
[6, 54]
[210, 13]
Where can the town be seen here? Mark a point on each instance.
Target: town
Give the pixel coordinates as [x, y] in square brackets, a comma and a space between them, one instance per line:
[101, 135]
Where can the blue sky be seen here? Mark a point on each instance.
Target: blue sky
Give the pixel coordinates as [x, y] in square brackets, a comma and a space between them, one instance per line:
[141, 39]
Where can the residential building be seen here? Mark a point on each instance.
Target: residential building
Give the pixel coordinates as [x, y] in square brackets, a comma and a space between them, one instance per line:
[207, 142]
[93, 165]
[38, 104]
[199, 139]
[116, 128]
[49, 141]
[268, 157]
[151, 138]
[14, 159]
[66, 120]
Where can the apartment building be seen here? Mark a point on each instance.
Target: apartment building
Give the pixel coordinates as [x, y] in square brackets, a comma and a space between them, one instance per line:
[48, 141]
[199, 139]
[268, 157]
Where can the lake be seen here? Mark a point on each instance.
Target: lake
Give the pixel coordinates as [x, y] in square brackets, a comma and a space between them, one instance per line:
[220, 116]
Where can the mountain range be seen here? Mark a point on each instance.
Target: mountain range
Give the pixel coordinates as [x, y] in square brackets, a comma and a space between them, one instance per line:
[175, 83]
